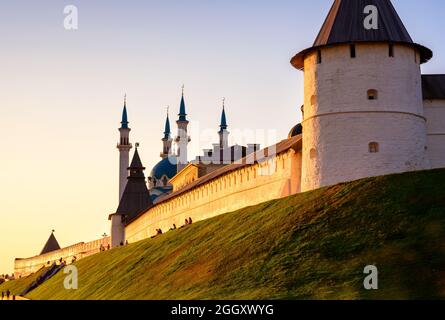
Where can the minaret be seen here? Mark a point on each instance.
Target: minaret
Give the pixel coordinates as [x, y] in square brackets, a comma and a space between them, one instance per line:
[124, 147]
[167, 140]
[182, 139]
[223, 133]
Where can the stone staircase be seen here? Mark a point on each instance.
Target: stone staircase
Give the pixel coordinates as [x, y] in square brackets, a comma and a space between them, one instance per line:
[48, 274]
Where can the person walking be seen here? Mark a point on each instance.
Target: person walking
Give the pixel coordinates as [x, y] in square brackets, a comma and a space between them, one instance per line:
[8, 293]
[3, 294]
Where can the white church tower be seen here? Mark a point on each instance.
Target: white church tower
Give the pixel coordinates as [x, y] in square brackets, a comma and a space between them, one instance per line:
[124, 147]
[363, 108]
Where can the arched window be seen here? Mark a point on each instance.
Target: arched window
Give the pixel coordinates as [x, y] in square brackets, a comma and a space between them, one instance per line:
[373, 147]
[313, 100]
[313, 153]
[372, 94]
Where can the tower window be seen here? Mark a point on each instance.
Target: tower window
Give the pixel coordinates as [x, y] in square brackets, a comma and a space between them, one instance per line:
[352, 51]
[373, 147]
[313, 100]
[372, 94]
[318, 56]
[313, 153]
[391, 50]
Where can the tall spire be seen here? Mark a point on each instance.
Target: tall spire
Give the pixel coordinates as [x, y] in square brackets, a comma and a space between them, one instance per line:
[223, 124]
[124, 115]
[182, 138]
[124, 147]
[182, 114]
[167, 130]
[223, 133]
[166, 140]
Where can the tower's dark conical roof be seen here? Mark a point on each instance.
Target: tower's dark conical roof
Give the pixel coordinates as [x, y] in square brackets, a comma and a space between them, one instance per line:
[124, 121]
[344, 24]
[167, 130]
[182, 114]
[51, 244]
[136, 163]
[223, 124]
[136, 196]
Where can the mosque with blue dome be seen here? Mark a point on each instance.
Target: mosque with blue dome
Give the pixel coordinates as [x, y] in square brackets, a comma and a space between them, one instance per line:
[136, 194]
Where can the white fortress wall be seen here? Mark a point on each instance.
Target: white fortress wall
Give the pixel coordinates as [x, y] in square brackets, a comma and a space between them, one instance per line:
[340, 121]
[253, 184]
[435, 114]
[24, 267]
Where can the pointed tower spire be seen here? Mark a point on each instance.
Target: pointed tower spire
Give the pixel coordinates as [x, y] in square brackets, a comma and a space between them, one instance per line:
[51, 244]
[223, 133]
[167, 131]
[182, 114]
[124, 115]
[136, 166]
[182, 138]
[124, 147]
[166, 140]
[223, 124]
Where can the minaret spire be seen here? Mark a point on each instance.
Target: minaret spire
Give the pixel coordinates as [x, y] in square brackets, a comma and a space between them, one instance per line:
[167, 140]
[223, 133]
[124, 122]
[182, 138]
[124, 147]
[182, 114]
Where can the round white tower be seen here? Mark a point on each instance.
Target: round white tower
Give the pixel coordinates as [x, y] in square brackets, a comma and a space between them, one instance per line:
[363, 108]
[124, 147]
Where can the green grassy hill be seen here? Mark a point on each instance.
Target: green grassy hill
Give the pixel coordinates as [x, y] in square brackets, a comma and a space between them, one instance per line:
[16, 287]
[309, 246]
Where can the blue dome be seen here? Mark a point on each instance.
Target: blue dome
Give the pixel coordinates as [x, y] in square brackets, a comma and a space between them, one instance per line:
[167, 166]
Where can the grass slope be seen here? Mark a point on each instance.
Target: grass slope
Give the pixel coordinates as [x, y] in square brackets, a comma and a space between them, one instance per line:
[16, 287]
[313, 245]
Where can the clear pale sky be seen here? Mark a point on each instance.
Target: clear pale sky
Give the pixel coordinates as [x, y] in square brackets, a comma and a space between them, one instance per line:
[61, 94]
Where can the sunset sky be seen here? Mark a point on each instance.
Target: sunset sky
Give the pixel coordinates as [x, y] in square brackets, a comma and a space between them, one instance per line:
[62, 94]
